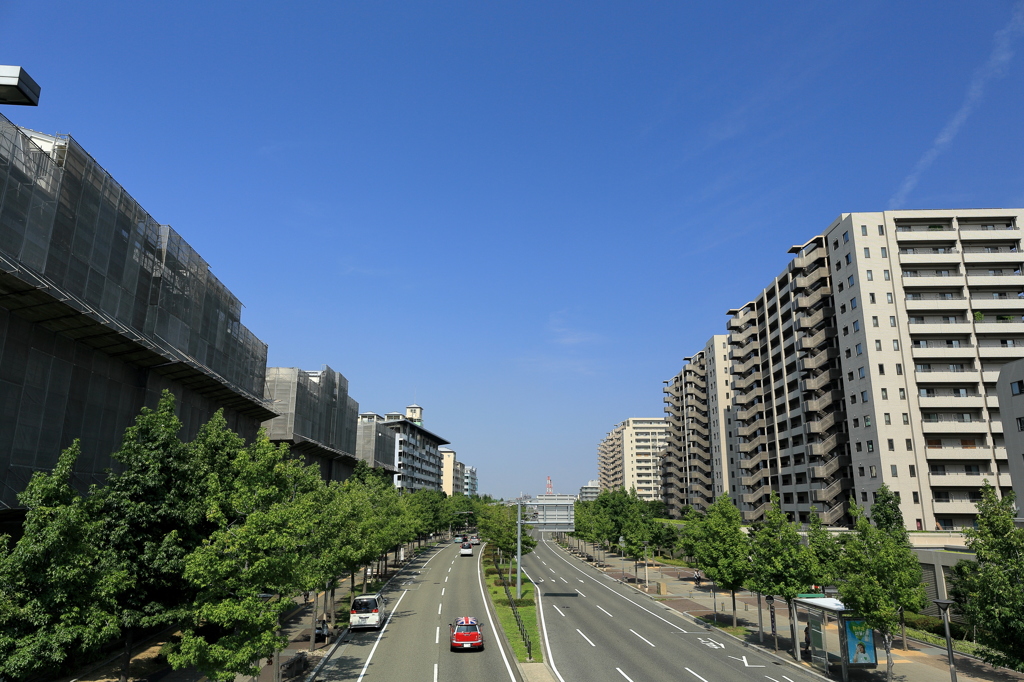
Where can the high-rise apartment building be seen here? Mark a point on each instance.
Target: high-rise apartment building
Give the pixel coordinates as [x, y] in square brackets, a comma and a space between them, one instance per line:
[375, 442]
[695, 462]
[590, 491]
[418, 455]
[873, 358]
[630, 457]
[470, 485]
[452, 473]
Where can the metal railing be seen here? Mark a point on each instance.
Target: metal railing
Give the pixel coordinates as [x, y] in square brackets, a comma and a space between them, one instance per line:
[519, 621]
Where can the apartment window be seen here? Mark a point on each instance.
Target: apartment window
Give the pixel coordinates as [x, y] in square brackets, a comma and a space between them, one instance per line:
[906, 418]
[1017, 387]
[861, 373]
[835, 244]
[885, 394]
[885, 254]
[1020, 423]
[892, 320]
[895, 344]
[871, 469]
[853, 303]
[846, 237]
[839, 265]
[867, 420]
[867, 252]
[903, 394]
[847, 352]
[842, 309]
[871, 277]
[881, 369]
[860, 471]
[874, 320]
[863, 396]
[849, 375]
[863, 496]
[910, 445]
[856, 422]
[849, 259]
[878, 345]
[846, 331]
[899, 368]
[941, 495]
[888, 297]
[881, 229]
[850, 280]
[892, 471]
[871, 298]
[856, 325]
[913, 471]
[891, 443]
[853, 399]
[858, 446]
[887, 419]
[885, 275]
[864, 230]
[859, 348]
[917, 500]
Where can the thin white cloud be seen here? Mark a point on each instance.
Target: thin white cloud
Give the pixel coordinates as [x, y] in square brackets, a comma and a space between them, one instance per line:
[1002, 53]
[565, 335]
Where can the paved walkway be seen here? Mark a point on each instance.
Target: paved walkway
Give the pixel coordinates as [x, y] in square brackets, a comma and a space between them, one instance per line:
[919, 663]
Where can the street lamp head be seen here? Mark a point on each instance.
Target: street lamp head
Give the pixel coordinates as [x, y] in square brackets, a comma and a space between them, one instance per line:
[17, 87]
[943, 604]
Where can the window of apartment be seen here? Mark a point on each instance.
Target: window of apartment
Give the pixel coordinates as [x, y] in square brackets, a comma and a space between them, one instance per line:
[863, 396]
[906, 418]
[853, 303]
[895, 344]
[874, 320]
[887, 419]
[846, 237]
[885, 254]
[859, 348]
[859, 447]
[870, 275]
[867, 420]
[917, 499]
[899, 368]
[878, 345]
[849, 280]
[846, 331]
[839, 265]
[847, 352]
[856, 422]
[881, 369]
[835, 244]
[892, 320]
[861, 373]
[1020, 423]
[863, 496]
[885, 394]
[903, 394]
[849, 259]
[864, 230]
[941, 495]
[867, 252]
[881, 229]
[913, 471]
[910, 445]
[849, 375]
[853, 399]
[871, 469]
[856, 325]
[888, 297]
[842, 309]
[885, 275]
[871, 298]
[860, 471]
[1017, 387]
[891, 444]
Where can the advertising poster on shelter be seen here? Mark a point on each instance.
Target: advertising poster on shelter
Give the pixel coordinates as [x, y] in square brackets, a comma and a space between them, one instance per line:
[860, 643]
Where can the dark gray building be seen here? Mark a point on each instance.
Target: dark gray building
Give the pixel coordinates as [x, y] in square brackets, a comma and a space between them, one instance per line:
[375, 442]
[316, 417]
[101, 308]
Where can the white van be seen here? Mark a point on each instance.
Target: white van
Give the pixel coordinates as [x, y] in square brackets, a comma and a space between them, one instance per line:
[466, 549]
[368, 612]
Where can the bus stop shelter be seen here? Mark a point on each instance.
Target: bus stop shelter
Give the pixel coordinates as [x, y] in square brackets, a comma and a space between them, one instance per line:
[839, 638]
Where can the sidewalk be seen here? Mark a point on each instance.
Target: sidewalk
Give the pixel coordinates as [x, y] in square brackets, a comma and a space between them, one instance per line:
[920, 663]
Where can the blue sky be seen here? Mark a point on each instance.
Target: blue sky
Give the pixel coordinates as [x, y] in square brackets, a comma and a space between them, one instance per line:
[521, 216]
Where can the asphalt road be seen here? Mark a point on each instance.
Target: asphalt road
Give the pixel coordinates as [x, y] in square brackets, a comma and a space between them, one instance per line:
[596, 629]
[434, 590]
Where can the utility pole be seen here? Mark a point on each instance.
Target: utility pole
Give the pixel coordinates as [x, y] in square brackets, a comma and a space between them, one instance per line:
[519, 548]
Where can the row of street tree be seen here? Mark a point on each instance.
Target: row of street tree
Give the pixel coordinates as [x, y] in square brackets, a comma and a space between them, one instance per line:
[213, 536]
[873, 567]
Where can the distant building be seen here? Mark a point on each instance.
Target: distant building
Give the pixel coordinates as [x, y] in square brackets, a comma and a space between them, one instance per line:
[590, 491]
[375, 442]
[101, 309]
[419, 456]
[316, 418]
[1010, 388]
[452, 473]
[469, 481]
[630, 457]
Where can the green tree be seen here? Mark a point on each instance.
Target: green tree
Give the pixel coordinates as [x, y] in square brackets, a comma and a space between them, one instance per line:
[780, 565]
[990, 590]
[880, 577]
[886, 513]
[722, 550]
[825, 550]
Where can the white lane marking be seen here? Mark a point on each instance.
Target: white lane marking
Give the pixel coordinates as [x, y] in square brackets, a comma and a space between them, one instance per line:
[449, 569]
[622, 596]
[558, 611]
[581, 580]
[528, 576]
[490, 612]
[544, 632]
[446, 578]
[641, 636]
[564, 581]
[437, 635]
[544, 562]
[609, 615]
[624, 674]
[391, 615]
[435, 672]
[745, 664]
[552, 570]
[585, 637]
[442, 591]
[439, 609]
[580, 593]
[695, 675]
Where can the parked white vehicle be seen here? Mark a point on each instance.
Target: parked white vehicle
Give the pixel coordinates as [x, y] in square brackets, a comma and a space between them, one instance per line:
[368, 612]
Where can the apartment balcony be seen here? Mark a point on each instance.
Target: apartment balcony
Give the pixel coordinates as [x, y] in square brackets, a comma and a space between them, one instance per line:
[946, 454]
[963, 480]
[973, 232]
[748, 430]
[947, 328]
[923, 233]
[810, 300]
[756, 514]
[1004, 352]
[698, 476]
[823, 379]
[802, 262]
[1012, 306]
[946, 305]
[696, 426]
[811, 321]
[930, 258]
[740, 319]
[812, 342]
[990, 376]
[694, 440]
[1004, 255]
[744, 415]
[1000, 454]
[757, 495]
[830, 516]
[951, 401]
[831, 491]
[976, 279]
[1004, 328]
[950, 425]
[755, 459]
[820, 358]
[829, 468]
[825, 447]
[823, 402]
[809, 280]
[821, 425]
[965, 351]
[745, 366]
[941, 374]
[760, 478]
[746, 382]
[955, 507]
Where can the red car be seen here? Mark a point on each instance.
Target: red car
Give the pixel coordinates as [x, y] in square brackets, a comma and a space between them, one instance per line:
[465, 634]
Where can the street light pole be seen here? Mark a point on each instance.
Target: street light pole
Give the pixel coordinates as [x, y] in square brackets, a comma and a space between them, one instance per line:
[944, 605]
[647, 585]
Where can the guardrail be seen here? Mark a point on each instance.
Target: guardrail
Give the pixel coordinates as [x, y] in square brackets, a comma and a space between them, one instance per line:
[519, 619]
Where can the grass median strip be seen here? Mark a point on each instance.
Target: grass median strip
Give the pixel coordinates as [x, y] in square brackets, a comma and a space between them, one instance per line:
[527, 611]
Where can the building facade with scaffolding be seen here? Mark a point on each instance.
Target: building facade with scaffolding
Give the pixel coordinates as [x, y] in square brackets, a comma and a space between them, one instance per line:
[101, 309]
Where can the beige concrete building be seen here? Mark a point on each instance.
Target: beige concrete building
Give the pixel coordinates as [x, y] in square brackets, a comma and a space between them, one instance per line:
[695, 462]
[873, 358]
[630, 457]
[453, 473]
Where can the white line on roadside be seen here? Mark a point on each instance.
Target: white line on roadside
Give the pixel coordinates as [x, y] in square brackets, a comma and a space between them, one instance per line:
[437, 635]
[435, 672]
[624, 674]
[439, 609]
[391, 615]
[609, 615]
[581, 594]
[641, 636]
[585, 637]
[695, 675]
[558, 611]
[544, 632]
